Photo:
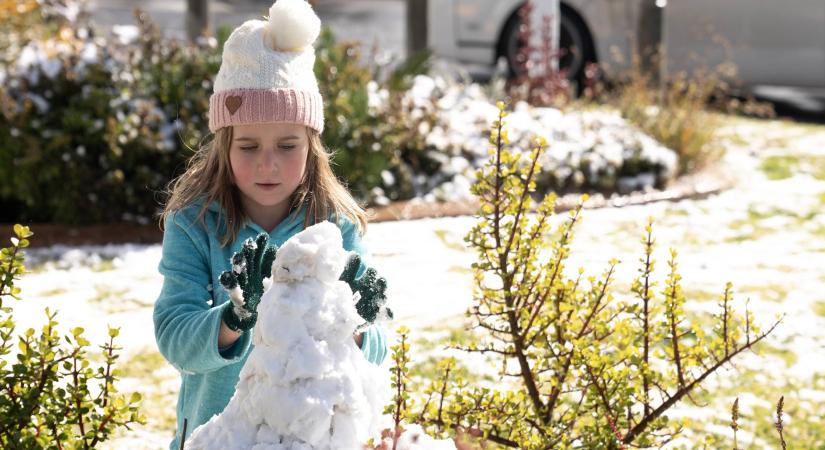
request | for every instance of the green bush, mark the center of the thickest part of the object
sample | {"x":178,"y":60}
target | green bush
{"x":51,"y":395}
{"x":107,"y":124}
{"x":584,"y":369}
{"x":372,"y":137}
{"x":98,"y":123}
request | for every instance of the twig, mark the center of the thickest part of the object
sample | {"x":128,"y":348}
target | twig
{"x":734,"y":416}
{"x":779,"y":426}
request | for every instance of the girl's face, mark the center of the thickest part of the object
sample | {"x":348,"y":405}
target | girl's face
{"x":268,"y":163}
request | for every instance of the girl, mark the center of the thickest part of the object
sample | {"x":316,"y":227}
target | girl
{"x":266,"y":170}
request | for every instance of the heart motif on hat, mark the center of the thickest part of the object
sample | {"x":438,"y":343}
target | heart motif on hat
{"x":233,"y":103}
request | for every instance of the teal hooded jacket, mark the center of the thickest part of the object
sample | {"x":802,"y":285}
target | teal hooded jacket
{"x":187,"y":313}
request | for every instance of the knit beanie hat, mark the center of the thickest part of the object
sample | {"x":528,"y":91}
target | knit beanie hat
{"x":266,"y":72}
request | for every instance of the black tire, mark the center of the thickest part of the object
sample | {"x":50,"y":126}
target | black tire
{"x":575,"y":42}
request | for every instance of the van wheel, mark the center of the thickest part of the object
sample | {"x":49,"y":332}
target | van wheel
{"x":574,"y":39}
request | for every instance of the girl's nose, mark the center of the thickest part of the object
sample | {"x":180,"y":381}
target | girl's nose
{"x":267,"y":162}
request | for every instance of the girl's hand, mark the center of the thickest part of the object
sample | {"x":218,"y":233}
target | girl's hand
{"x":245,"y":282}
{"x":371,"y":288}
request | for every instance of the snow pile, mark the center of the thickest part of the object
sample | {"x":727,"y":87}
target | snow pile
{"x":585,"y":148}
{"x":306,"y":385}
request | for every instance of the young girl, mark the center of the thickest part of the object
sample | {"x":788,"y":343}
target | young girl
{"x":266,"y":170}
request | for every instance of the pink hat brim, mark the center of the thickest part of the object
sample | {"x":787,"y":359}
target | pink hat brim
{"x":251,"y":106}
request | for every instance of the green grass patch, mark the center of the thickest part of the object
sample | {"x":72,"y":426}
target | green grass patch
{"x":772,"y":292}
{"x":437,"y":337}
{"x":117,"y":300}
{"x":752,"y":227}
{"x":780,"y":167}
{"x":460,"y":269}
{"x":819,"y":308}
{"x":450,"y":240}
{"x":104,"y":266}
{"x":143,"y":365}
{"x":757,"y":413}
{"x":751,"y":234}
{"x":158,"y":401}
{"x":460,"y":334}
{"x":779,"y":268}
{"x":784,"y":353}
{"x":701,"y":295}
{"x":738,"y":140}
{"x":54,"y":292}
{"x":104,"y":293}
{"x":819,"y":231}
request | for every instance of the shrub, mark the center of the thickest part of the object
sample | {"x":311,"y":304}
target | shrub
{"x":93,"y":122}
{"x":551,"y":86}
{"x":590,"y":370}
{"x":682,"y":110}
{"x":108,"y":123}
{"x":51,"y":394}
{"x":368,"y":124}
{"x":677,"y":118}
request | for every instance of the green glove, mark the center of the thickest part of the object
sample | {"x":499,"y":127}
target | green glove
{"x":245,"y":282}
{"x":371,"y":288}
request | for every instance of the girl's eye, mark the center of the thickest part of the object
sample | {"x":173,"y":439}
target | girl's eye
{"x":249,"y":148}
{"x":287,"y":147}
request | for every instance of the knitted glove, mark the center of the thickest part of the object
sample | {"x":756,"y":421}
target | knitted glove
{"x":371,"y":288}
{"x":245,"y":282}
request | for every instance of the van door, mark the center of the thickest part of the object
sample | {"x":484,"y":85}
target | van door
{"x":769,"y":42}
{"x":481,"y":21}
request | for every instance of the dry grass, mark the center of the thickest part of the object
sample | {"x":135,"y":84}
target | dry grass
{"x":675,"y":114}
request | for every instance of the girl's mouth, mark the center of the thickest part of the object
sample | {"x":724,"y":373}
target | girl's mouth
{"x":267,"y":186}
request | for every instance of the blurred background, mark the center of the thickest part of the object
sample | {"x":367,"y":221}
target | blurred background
{"x":775,"y":51}
{"x":369,"y":21}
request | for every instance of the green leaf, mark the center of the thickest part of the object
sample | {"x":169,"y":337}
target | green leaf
{"x":22,"y":231}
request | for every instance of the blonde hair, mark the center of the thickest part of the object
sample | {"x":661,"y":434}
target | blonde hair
{"x":208,"y":175}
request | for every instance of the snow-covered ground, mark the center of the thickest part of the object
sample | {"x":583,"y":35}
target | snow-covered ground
{"x":765,"y":236}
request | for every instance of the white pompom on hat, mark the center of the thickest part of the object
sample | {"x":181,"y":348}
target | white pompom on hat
{"x":267,"y":71}
{"x":293,"y":25}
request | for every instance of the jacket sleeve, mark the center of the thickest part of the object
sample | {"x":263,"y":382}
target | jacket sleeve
{"x":186,"y":326}
{"x":373,"y":342}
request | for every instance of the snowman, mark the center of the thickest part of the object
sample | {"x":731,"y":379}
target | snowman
{"x":305,"y":385}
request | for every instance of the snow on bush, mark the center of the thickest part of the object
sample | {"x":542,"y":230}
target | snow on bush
{"x":589,"y":150}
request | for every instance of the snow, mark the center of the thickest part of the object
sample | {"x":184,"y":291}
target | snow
{"x":464,"y":113}
{"x":306,"y":385}
{"x":126,"y":34}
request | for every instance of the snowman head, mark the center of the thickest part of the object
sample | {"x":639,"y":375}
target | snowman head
{"x":315,"y":252}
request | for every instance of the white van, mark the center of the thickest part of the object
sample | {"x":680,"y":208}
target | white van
{"x":777,"y":47}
